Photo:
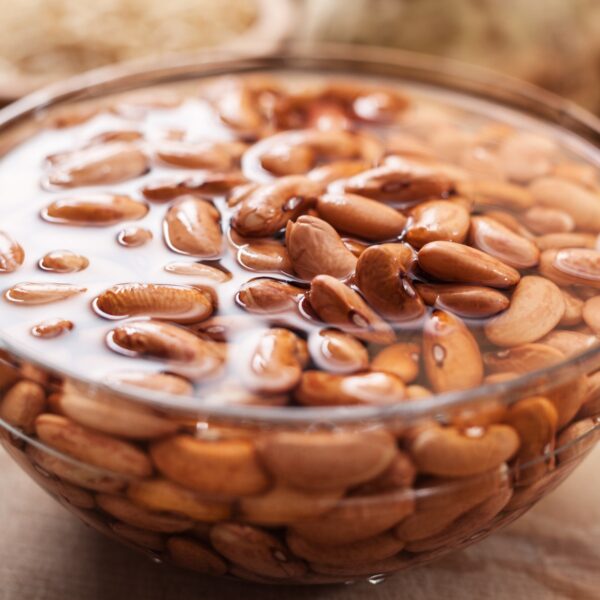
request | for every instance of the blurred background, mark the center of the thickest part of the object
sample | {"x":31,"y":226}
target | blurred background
{"x":554,"y":43}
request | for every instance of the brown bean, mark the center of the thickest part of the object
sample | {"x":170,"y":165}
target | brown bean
{"x":194,"y":556}
{"x":192,"y":226}
{"x":318,"y":388}
{"x":268,"y":296}
{"x":357,"y":518}
{"x":63,"y":261}
{"x":570,"y":343}
{"x":207,"y":183}
{"x":112,"y":415}
{"x":255,"y":550}
{"x":178,"y":303}
{"x":22,"y":404}
{"x":542,"y":220}
{"x":315,"y":248}
{"x":123,"y":509}
{"x":274,"y":363}
{"x":451,"y":354}
{"x":29,"y":293}
{"x":536,"y":308}
{"x":378,"y":547}
{"x":573,"y":314}
{"x":90,"y":447}
{"x":210,"y":273}
{"x":98,"y":210}
{"x":576,"y":266}
{"x":527,"y":156}
{"x":557,"y":241}
{"x":437,"y":220}
{"x":265,"y":255}
{"x":162,"y":382}
{"x":326,"y":461}
{"x":51,"y":328}
{"x":337,"y":352}
{"x":268,"y":208}
{"x":134,"y":237}
{"x":11,"y":254}
{"x":282,"y":505}
{"x":401,"y":359}
{"x":469,"y":301}
{"x":535,"y":420}
{"x":449,"y":261}
{"x":161,"y":495}
{"x":577,"y":439}
{"x":591,"y":314}
{"x":500,"y":242}
{"x":363,"y":217}
{"x":185,"y":353}
{"x":147,"y":540}
{"x":339,"y":169}
{"x":339,"y":305}
{"x":448,"y":452}
{"x":225,"y":467}
{"x":381,"y":275}
{"x":219,"y":156}
{"x":99,"y":165}
{"x":585,"y":175}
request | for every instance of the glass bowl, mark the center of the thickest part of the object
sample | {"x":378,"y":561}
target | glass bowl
{"x":288,"y":495}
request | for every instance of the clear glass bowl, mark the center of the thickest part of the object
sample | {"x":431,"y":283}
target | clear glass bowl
{"x":288,"y":495}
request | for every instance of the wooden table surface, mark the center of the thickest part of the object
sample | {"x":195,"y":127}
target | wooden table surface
{"x":553,"y":552}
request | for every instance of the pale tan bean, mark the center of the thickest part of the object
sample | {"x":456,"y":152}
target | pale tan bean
{"x":194,"y":556}
{"x":337,"y":352}
{"x":573,"y":314}
{"x":315,"y":248}
{"x":381,"y":275}
{"x":541,"y":220}
{"x":414,"y":392}
{"x":536,"y":308}
{"x":265,"y":255}
{"x":357,"y":518}
{"x":522,"y":359}
{"x":591,"y":314}
{"x":580,"y":173}
{"x":535,"y":420}
{"x":29,"y":293}
{"x":273,"y":363}
{"x":590,"y":407}
{"x":99,"y":165}
{"x":577,"y":266}
{"x":451,"y":354}
{"x":98,"y":210}
{"x":318,"y":388}
{"x":138,"y":537}
{"x":379,"y":547}
{"x":112,"y":415}
{"x":448,"y":452}
{"x":255,"y":550}
{"x":193,"y":226}
{"x":93,"y":448}
{"x":22,"y":404}
{"x":470,"y":301}
{"x":570,"y":343}
{"x":360,"y":216}
{"x":401,"y":359}
{"x":123,"y":509}
{"x":509,"y":221}
{"x":327,"y":461}
{"x":582,"y":204}
{"x":83,"y":476}
{"x":268,"y":296}
{"x":526,"y":156}
{"x":437,"y":220}
{"x":282,"y":505}
{"x":11,"y":254}
{"x":557,"y":241}
{"x":486,"y":193}
{"x":449,"y":261}
{"x":225,"y":467}
{"x":400,"y":474}
{"x":162,"y":495}
{"x":340,"y":169}
{"x":207,"y":183}
{"x":63,"y":261}
{"x":178,"y":303}
{"x":500,"y":242}
{"x":339,"y":305}
{"x":268,"y":208}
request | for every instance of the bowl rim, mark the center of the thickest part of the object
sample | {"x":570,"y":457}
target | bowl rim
{"x":450,"y":75}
